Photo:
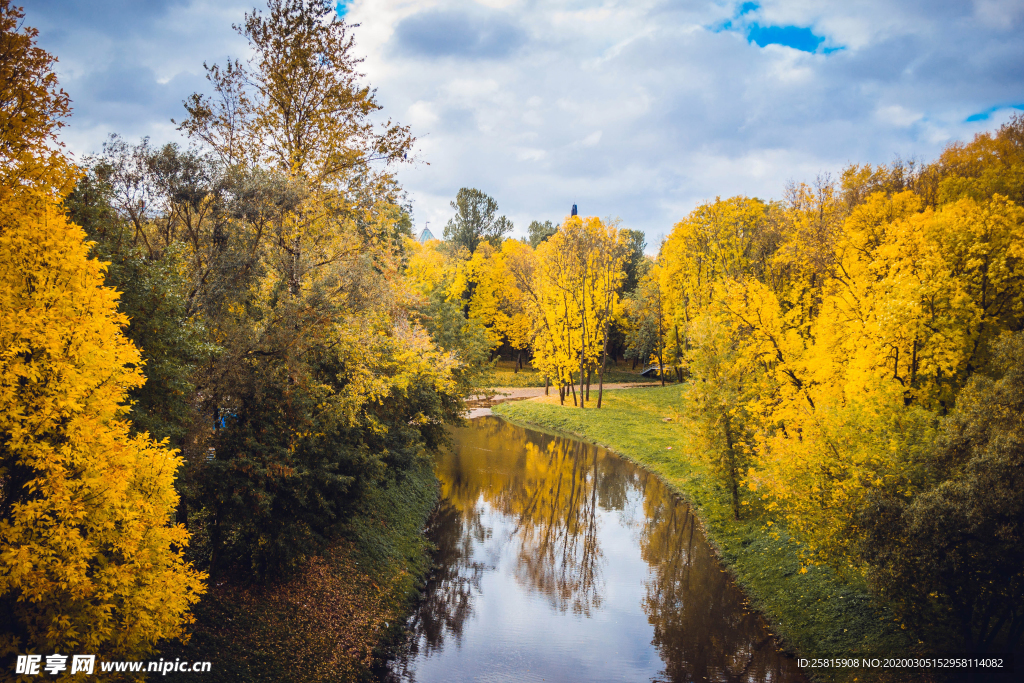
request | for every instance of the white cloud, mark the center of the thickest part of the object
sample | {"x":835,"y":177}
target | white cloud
{"x":639,"y":109}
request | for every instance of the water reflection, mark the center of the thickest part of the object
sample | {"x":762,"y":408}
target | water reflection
{"x":559,"y":561}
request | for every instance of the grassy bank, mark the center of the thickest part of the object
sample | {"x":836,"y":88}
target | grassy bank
{"x":337,"y":615}
{"x":818,"y":613}
{"x":504,"y":375}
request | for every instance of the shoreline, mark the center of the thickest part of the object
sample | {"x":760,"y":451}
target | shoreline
{"x":815,"y":615}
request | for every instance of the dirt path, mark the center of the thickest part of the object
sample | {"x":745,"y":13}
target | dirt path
{"x":480,"y":404}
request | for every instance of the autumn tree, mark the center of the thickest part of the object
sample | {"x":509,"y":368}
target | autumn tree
{"x":32,"y":110}
{"x":578,"y":274}
{"x":329,"y":378}
{"x":89,"y":557}
{"x":954,"y":554}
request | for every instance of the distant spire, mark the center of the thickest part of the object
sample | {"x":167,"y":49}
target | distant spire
{"x":574,"y":210}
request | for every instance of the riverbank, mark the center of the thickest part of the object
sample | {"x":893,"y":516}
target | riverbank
{"x":335,"y":617}
{"x":818,"y":614}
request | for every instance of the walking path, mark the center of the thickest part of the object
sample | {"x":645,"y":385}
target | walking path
{"x":480,"y":404}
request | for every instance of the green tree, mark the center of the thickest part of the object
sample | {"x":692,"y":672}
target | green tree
{"x":636,"y":263}
{"x":717,"y":403}
{"x":538,"y":232}
{"x":326,"y":380}
{"x":154,"y":297}
{"x":475,"y":220}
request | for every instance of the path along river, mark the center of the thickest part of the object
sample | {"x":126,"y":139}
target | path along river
{"x":559,"y":561}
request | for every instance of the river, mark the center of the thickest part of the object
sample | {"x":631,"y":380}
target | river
{"x":559,"y":561}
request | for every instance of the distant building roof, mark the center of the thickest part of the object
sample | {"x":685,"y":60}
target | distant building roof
{"x":426,"y":235}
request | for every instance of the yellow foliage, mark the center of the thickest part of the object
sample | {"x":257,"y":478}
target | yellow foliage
{"x":90,"y":559}
{"x":853,"y":320}
{"x":577,"y":274}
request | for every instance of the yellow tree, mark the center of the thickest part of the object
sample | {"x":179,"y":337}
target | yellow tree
{"x":721,"y":240}
{"x":579,"y":270}
{"x":862,"y":351}
{"x":89,"y":557}
{"x":497,"y":299}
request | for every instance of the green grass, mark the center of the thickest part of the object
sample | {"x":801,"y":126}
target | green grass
{"x":504,"y":375}
{"x":334,"y":618}
{"x":818,"y":613}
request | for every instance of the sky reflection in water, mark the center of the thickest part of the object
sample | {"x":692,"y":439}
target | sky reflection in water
{"x":559,"y":561}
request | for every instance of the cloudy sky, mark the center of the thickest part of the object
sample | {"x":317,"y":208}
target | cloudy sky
{"x":637,"y":109}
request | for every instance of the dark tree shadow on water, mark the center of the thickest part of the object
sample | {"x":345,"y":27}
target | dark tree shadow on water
{"x":702,"y":627}
{"x":447,"y":599}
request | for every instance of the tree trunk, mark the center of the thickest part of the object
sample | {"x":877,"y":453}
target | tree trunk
{"x":604,"y":362}
{"x":561,"y":393}
{"x":583,"y":347}
{"x":679,"y":355}
{"x":573,"y":385}
{"x":590,"y":372}
{"x":734,"y":484}
{"x":547,"y":385}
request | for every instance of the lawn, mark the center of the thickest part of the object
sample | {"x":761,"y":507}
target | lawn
{"x":818,"y":613}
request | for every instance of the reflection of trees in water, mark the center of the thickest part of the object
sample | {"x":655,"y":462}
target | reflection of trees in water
{"x":556,"y":524}
{"x":551,"y":490}
{"x":447,"y":599}
{"x":701,"y":628}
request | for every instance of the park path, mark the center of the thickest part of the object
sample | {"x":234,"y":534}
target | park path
{"x":480,"y":404}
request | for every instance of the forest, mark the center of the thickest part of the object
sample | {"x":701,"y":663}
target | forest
{"x":852,"y":360}
{"x":215,"y":359}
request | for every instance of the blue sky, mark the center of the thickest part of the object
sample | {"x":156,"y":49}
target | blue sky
{"x":637,"y":109}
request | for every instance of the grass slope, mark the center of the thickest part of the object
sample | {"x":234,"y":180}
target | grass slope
{"x":333,"y":619}
{"x":818,"y":614}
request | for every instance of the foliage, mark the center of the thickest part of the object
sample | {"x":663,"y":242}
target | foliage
{"x":718,"y":404}
{"x":645,"y":321}
{"x":537,"y":232}
{"x":475,"y":221}
{"x":440,"y":279}
{"x":297,"y":104}
{"x":578,"y":273}
{"x":89,"y":557}
{"x":857,"y":315}
{"x":32,"y":106}
{"x":290,"y":234}
{"x":154,"y":298}
{"x":635,"y":264}
{"x":954,"y":554}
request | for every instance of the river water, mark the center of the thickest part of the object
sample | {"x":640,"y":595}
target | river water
{"x":560,"y":561}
